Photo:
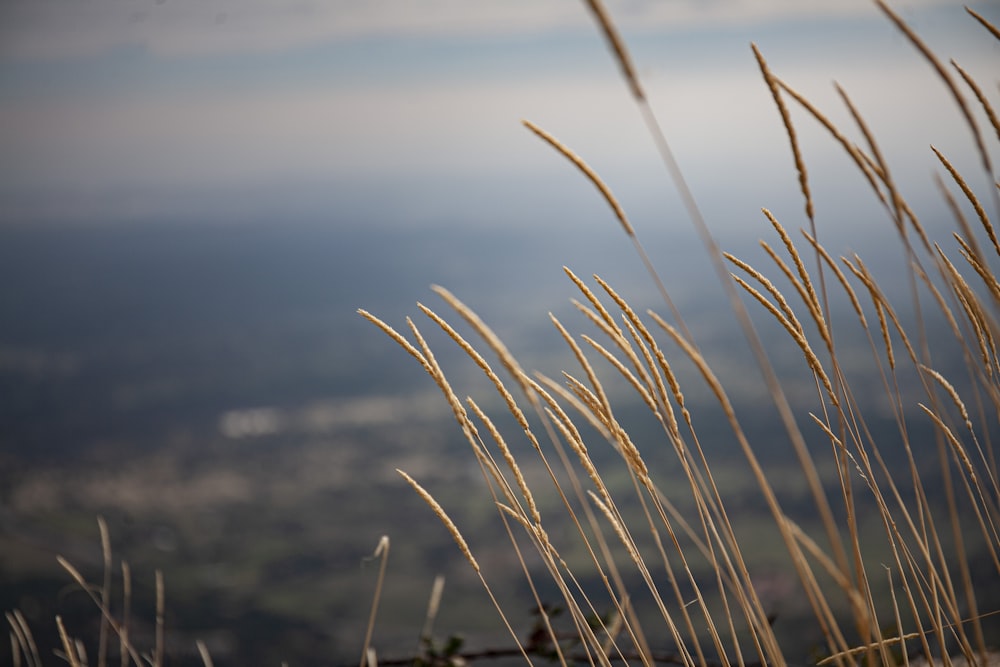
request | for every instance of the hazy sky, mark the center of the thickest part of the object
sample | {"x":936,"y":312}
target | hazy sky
{"x":409,"y":112}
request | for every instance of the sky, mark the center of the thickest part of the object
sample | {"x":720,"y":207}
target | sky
{"x":408,"y":113}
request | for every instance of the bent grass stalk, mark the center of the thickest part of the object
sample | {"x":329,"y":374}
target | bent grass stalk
{"x":921,"y":602}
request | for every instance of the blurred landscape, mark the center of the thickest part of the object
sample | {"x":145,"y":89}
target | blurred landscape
{"x":212,"y":394}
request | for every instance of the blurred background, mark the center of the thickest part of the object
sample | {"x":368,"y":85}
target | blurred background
{"x":195,"y":198}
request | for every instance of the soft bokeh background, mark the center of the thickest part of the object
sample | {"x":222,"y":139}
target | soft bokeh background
{"x":196,"y":196}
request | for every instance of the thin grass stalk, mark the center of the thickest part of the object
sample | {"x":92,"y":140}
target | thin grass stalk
{"x":464,"y":548}
{"x":649,"y":346}
{"x":535,"y":530}
{"x":102,"y":642}
{"x":980,"y":96}
{"x":942,"y":72}
{"x":206,"y":657}
{"x":755,"y":609}
{"x":382,"y":554}
{"x":672,"y":577}
{"x":705,"y":504}
{"x":960,"y":101}
{"x":870,"y":170}
{"x":123,"y":629}
{"x":470,"y":431}
{"x":771,"y":381}
{"x":810,"y":297}
{"x":974,"y":313}
{"x":88,"y":589}
{"x":69,"y":650}
{"x":786,"y":120}
{"x":22,"y":632}
{"x":489,"y":467}
{"x":971,"y":197}
{"x":699,"y":486}
{"x":511,"y":406}
{"x":993,"y":30}
{"x":969,"y":481}
{"x":612,"y":576}
{"x":160,"y":643}
{"x":960,"y":220}
{"x":709,"y":529}
{"x":612,"y":201}
{"x":626,"y":540}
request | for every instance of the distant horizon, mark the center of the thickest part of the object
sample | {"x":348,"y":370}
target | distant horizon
{"x":419,"y":120}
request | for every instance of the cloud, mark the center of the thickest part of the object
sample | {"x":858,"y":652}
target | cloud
{"x":57,"y":29}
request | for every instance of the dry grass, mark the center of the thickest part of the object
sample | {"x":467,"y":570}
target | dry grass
{"x":905,"y":592}
{"x":919,"y":597}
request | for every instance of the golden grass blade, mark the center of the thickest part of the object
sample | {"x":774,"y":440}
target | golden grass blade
{"x":986,"y":24}
{"x":841,"y":278}
{"x":89,"y":590}
{"x":396,"y":336}
{"x":786,"y":314}
{"x":786,"y":120}
{"x":594,"y":384}
{"x":883,"y":166}
{"x":432,"y":367}
{"x":869,"y":169}
{"x":595,"y":302}
{"x":25,"y":640}
{"x":983,"y":101}
{"x":612,"y":201}
{"x":102,"y":645}
{"x":971,"y":196}
{"x":578,"y":404}
{"x":507,"y":360}
{"x":658,"y":370}
{"x":644,"y":379}
{"x":755,"y":610}
{"x":793,"y":327}
{"x":810,"y":298}
{"x":443,"y":517}
{"x":771,"y":381}
{"x":639,"y":388}
{"x":956,"y":213}
{"x":990,"y":280}
{"x":508,"y":399}
{"x":908,"y":517}
{"x":464,"y":548}
{"x":626,"y":541}
{"x":637,"y":325}
{"x":616,"y":588}
{"x":881,"y":309}
{"x":123,"y":630}
{"x":962,"y":457}
{"x":206,"y":657}
{"x":160,"y":646}
{"x":512,"y":464}
{"x":381,"y":553}
{"x":591,"y":175}
{"x":69,"y":649}
{"x":617,"y":47}
{"x":433,"y":606}
{"x":960,"y":287}
{"x":942,"y":72}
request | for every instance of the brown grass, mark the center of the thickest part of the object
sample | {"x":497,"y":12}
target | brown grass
{"x":920,"y":598}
